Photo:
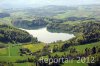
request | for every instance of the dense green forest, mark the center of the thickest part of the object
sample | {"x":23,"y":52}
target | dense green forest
{"x":86,"y":32}
{"x":39,"y":22}
{"x":14,"y":35}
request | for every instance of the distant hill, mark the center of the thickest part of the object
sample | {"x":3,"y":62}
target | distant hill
{"x":50,"y":10}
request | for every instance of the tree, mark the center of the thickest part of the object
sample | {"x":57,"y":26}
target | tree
{"x":93,"y":50}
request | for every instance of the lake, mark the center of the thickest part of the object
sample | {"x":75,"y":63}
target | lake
{"x":45,"y":36}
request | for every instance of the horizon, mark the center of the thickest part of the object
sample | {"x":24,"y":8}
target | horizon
{"x":39,"y":3}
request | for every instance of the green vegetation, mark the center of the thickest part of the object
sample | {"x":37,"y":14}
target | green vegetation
{"x":34,"y":47}
{"x":79,"y":49}
{"x":74,"y":64}
{"x":2,"y":15}
{"x":86,"y":32}
{"x":19,"y":48}
{"x":26,"y":24}
{"x":14,"y":35}
{"x":80,"y":11}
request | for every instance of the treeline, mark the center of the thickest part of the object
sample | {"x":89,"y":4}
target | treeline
{"x":78,"y":27}
{"x":78,"y":18}
{"x":71,"y":19}
{"x":86,"y":32}
{"x":2,"y":15}
{"x":14,"y":35}
{"x":38,"y":22}
{"x":59,"y":27}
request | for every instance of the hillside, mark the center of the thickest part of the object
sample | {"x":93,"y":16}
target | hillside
{"x":19,"y":48}
{"x":14,"y":35}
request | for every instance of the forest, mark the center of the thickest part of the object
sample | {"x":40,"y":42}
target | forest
{"x":14,"y":35}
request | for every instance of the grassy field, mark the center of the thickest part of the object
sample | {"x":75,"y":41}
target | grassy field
{"x":21,"y":64}
{"x":78,"y":13}
{"x":14,"y":50}
{"x":72,"y":13}
{"x":34,"y":47}
{"x":74,"y":63}
{"x":24,"y":64}
{"x":14,"y":53}
{"x":79,"y":48}
{"x":4,"y":52}
{"x":6,"y":20}
{"x":13,"y":58}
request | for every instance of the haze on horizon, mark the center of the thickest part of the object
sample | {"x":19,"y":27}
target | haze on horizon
{"x":38,"y":3}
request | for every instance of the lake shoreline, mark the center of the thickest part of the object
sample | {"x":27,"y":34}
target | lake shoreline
{"x":43,"y":35}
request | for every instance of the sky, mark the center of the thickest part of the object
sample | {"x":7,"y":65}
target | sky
{"x":36,"y":3}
